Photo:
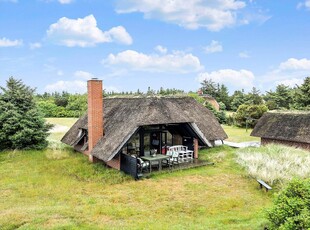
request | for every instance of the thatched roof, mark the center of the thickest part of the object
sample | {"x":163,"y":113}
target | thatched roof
{"x":284,"y":126}
{"x":123,"y":116}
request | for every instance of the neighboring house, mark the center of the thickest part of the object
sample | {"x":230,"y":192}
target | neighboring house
{"x":291,"y":129}
{"x":116,"y":126}
{"x":209,"y":99}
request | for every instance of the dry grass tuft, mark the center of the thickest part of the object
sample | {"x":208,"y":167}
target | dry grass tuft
{"x":275,"y":163}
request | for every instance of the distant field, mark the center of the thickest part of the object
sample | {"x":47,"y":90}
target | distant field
{"x":60,"y":189}
{"x":61,"y":125}
{"x":236,"y":134}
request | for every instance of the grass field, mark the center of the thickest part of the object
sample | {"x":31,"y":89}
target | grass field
{"x":61,"y":125}
{"x":236,"y":134}
{"x":60,"y":189}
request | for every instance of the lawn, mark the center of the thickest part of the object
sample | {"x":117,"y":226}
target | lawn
{"x":236,"y":134}
{"x":60,"y":189}
{"x":61,"y":125}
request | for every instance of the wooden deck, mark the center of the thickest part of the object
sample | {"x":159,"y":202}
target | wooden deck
{"x":181,"y":166}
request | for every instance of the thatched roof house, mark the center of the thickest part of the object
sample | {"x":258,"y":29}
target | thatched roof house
{"x":209,"y":99}
{"x":285,"y":128}
{"x":140,"y":124}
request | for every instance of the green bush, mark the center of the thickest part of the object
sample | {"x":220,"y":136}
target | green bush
{"x":247,"y":115}
{"x":291,"y":208}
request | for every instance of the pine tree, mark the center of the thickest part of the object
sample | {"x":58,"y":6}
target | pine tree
{"x":302,"y":95}
{"x":281,"y":98}
{"x":253,"y":97}
{"x":209,"y":87}
{"x":21,"y":124}
{"x":237,"y":99}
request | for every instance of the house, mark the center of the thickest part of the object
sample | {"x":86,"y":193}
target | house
{"x":116,"y":127}
{"x":209,"y":99}
{"x":291,"y":129}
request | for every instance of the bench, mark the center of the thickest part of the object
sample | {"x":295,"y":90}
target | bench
{"x":262,"y":183}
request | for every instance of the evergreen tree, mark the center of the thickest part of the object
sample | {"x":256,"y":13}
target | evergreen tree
{"x":21,"y":124}
{"x":254,"y":97}
{"x":281,"y":98}
{"x":302,"y":95}
{"x":209,"y":87}
{"x":61,"y":99}
{"x":237,"y":99}
{"x":224,"y":97}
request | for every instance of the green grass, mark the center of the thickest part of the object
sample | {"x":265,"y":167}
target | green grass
{"x":236,"y":134}
{"x":66,"y":192}
{"x":60,"y":189}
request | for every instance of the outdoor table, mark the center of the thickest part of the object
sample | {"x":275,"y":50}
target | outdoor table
{"x":158,"y":158}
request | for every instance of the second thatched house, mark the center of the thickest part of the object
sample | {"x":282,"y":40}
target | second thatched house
{"x":121,"y":126}
{"x":291,"y":129}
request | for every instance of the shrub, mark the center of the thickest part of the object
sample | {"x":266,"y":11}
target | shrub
{"x":291,"y":208}
{"x":247,"y":115}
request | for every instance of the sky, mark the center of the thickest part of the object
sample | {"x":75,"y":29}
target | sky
{"x":57,"y":45}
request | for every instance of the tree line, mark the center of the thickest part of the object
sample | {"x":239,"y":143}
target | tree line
{"x":249,"y":107}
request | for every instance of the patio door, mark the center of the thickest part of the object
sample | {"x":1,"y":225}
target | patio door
{"x":159,"y":141}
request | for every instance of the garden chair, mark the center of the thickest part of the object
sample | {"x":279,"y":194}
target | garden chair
{"x":142,"y":165}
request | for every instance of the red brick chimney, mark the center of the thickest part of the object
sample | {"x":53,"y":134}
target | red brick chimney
{"x":95,"y":113}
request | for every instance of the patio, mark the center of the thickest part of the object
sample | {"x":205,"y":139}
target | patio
{"x":176,"y":158}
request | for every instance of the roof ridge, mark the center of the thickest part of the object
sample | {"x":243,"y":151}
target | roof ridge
{"x":148,"y":96}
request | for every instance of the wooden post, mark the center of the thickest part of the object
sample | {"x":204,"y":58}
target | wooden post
{"x":195,"y":148}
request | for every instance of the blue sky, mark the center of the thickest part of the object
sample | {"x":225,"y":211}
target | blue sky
{"x":56,"y":45}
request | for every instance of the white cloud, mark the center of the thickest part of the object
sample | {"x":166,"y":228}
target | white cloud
{"x":4,"y":42}
{"x":35,"y":45}
{"x":290,"y":82}
{"x":295,"y":64}
{"x":290,"y":72}
{"x":111,"y":89}
{"x":305,"y":4}
{"x":83,"y":75}
{"x":238,"y":78}
{"x":176,"y":62}
{"x":161,"y":49}
{"x":65,"y":1}
{"x":84,"y":32}
{"x":213,"y":15}
{"x":244,"y":54}
{"x":76,"y":86}
{"x":214,"y":47}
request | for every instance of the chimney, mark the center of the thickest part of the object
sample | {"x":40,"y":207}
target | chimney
{"x":95,"y":113}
